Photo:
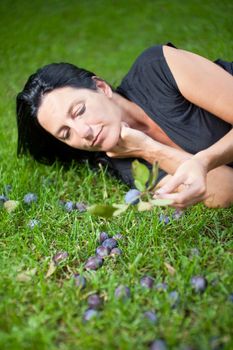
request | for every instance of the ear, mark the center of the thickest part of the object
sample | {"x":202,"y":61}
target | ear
{"x":102,"y":86}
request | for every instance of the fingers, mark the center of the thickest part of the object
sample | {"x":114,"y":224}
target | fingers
{"x":170,"y":186}
{"x":125,"y":124}
{"x":182,"y":194}
{"x":187,"y":197}
{"x":112,"y":155}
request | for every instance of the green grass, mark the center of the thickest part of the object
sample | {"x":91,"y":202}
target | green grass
{"x":46,"y":313}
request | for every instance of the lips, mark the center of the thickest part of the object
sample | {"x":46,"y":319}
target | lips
{"x":96,"y":139}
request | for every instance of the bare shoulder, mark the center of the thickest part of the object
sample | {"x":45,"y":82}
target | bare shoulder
{"x":201,"y":81}
{"x":185,"y":63}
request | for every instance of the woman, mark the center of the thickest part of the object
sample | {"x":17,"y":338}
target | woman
{"x":173,"y":106}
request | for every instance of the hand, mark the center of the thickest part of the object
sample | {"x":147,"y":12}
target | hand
{"x":130,"y":143}
{"x":190,"y":181}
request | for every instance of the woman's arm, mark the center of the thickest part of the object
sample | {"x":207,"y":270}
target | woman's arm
{"x":187,"y":170}
{"x":207,"y":85}
{"x":135,"y":143}
{"x":218,"y":154}
{"x":193,"y":173}
{"x":202,"y":82}
{"x":210,"y":87}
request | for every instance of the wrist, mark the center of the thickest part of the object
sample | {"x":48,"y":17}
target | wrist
{"x":161,"y":153}
{"x":205,"y":160}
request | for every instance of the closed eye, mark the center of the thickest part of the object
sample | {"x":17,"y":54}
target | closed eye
{"x":66,"y":134}
{"x":81,"y":111}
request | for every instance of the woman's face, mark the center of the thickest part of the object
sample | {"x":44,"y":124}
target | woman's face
{"x":82,"y":118}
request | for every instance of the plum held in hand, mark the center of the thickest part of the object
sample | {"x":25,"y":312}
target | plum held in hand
{"x":132,"y":197}
{"x":199,"y":283}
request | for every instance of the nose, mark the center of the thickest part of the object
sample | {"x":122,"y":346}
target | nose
{"x":83,"y":130}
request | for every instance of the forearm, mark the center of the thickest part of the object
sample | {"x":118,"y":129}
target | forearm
{"x":168,"y":158}
{"x":134,"y":143}
{"x":218,"y":154}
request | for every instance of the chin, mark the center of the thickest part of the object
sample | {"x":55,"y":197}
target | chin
{"x":109,"y":144}
{"x":110,"y":141}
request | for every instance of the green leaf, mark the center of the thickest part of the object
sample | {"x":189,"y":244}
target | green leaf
{"x":102,"y":210}
{"x":161,"y":202}
{"x":141,"y":174}
{"x":120,"y":209}
{"x":153,"y":176}
{"x":143,"y":206}
{"x":139,"y":186}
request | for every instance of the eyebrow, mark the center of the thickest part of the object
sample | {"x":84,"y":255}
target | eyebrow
{"x":67,"y":114}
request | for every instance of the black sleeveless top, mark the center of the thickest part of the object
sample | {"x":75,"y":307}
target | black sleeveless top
{"x":151,"y":85}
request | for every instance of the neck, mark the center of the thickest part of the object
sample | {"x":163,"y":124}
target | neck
{"x":131,"y":113}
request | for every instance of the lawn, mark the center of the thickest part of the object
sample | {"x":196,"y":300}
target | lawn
{"x":39,"y":311}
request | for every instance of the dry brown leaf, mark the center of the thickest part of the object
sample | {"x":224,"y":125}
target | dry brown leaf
{"x":26,"y":276}
{"x":51,"y":270}
{"x":170,"y":269}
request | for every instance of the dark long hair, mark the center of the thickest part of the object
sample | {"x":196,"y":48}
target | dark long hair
{"x":41,"y":145}
{"x":32,"y":138}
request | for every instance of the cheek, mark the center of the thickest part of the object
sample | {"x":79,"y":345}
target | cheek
{"x":111,"y":138}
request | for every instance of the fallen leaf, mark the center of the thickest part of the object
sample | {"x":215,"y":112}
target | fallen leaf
{"x":102,"y":210}
{"x":170,"y":269}
{"x":26,"y":276}
{"x":143,"y":206}
{"x":51,"y":270}
{"x":10,"y":205}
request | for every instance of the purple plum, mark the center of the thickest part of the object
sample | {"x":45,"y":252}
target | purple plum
{"x":110,"y":243}
{"x":132,"y":196}
{"x":94,"y":263}
{"x":147,"y":282}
